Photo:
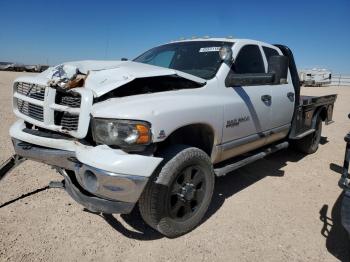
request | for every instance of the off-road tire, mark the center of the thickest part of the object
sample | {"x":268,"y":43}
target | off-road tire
{"x":154,"y":204}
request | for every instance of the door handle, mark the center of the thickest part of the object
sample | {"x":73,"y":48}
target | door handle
{"x":266,"y":98}
{"x":290,"y":95}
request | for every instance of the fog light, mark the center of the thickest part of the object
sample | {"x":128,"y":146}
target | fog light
{"x":90,"y":181}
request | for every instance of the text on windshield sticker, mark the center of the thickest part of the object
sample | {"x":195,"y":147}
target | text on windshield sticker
{"x":209,"y":49}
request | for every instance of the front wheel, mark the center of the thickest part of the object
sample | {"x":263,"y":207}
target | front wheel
{"x":177,"y":199}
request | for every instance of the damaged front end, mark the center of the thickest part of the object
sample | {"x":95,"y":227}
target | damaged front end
{"x":105,"y":76}
{"x":67,"y":77}
{"x":100,"y":178}
{"x":61,"y":98}
{"x":56,"y":127}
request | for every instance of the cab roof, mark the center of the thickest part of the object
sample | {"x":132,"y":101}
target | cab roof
{"x":222,"y":39}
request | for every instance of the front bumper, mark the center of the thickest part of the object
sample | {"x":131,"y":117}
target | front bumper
{"x":105,"y":179}
{"x":93,"y":203}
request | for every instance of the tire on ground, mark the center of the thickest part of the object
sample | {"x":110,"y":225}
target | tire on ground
{"x":156,"y":200}
{"x":309,"y":144}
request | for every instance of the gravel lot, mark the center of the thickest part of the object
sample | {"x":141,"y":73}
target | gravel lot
{"x":273,"y":210}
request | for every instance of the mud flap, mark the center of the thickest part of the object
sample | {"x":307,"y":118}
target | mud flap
{"x":10,"y":164}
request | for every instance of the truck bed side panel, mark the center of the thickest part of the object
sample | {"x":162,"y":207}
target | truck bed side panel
{"x":309,"y":109}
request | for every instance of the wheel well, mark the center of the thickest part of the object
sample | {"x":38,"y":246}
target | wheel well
{"x":197,"y":135}
{"x":323,"y":113}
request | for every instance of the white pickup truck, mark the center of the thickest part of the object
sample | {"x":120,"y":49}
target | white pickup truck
{"x":157,"y":129}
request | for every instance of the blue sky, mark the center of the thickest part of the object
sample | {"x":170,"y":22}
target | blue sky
{"x":38,"y":31}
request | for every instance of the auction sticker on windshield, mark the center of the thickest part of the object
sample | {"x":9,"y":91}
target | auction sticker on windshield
{"x":209,"y":49}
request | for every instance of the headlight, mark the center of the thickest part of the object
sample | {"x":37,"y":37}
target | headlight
{"x":121,"y":132}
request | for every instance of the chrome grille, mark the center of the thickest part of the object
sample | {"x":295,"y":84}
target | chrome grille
{"x":69,"y":122}
{"x":52,"y":108}
{"x":31,"y":110}
{"x":71,"y":101}
{"x":68,"y":99}
{"x":31,"y":90}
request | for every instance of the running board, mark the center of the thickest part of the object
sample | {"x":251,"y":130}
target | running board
{"x":231,"y":167}
{"x":10,"y":164}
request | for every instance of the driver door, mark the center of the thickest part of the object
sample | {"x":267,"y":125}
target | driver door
{"x":248,"y":116}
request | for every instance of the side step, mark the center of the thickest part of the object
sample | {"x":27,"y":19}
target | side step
{"x":10,"y":164}
{"x":231,"y":167}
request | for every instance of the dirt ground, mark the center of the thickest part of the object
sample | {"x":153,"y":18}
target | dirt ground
{"x":283,"y":208}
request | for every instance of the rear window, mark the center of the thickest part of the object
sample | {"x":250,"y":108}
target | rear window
{"x":269,"y":52}
{"x":249,"y":60}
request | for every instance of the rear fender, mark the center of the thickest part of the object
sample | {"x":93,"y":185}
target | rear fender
{"x":320,"y":112}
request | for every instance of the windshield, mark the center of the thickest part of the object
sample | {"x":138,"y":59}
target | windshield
{"x":199,"y":58}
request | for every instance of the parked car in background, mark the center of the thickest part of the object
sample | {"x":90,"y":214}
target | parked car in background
{"x":10,"y":66}
{"x":6,"y":66}
{"x":32,"y":68}
{"x":43,"y":68}
{"x":18,"y":67}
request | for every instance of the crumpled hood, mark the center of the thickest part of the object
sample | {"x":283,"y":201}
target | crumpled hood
{"x":105,"y":76}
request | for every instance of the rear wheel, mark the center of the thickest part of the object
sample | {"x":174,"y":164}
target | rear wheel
{"x":178,"y":201}
{"x":309,"y":144}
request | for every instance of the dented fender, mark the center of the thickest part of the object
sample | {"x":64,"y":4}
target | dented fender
{"x":117,"y":161}
{"x":109,"y":159}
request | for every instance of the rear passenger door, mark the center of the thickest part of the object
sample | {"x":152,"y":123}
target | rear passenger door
{"x":282,"y":96}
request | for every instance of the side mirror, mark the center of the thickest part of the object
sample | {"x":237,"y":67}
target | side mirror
{"x":225,"y":53}
{"x":277,"y":74}
{"x":256,"y":79}
{"x":124,"y":59}
{"x":278,"y":66}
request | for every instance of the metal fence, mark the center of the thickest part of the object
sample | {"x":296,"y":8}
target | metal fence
{"x":340,"y":80}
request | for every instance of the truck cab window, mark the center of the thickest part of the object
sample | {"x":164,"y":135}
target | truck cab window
{"x":249,"y":60}
{"x":269,"y":52}
{"x":198,"y":58}
{"x":162,"y":59}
